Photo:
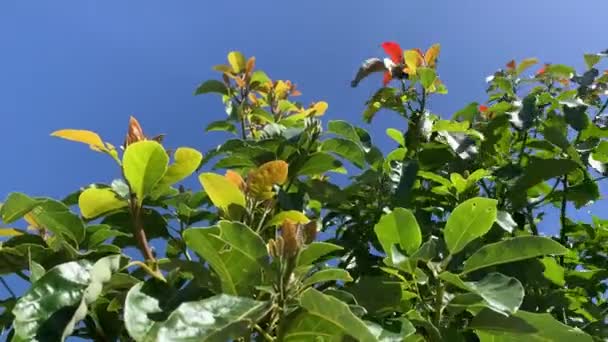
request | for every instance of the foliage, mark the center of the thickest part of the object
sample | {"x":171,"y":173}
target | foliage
{"x":436,"y":240}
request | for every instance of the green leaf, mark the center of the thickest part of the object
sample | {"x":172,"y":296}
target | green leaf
{"x":58,"y":299}
{"x":325,"y":275}
{"x":500,"y":293}
{"x":514,"y":249}
{"x":560,"y":71}
{"x":57,"y":217}
{"x":237,"y":61}
{"x":427,"y":76}
{"x":292,"y":215}
{"x":17,"y":205}
{"x":221,"y":191}
{"x":144,"y":165}
{"x":345,"y":148}
{"x":468,"y":113}
{"x":576,"y":117}
{"x":399,"y":227}
{"x":553,"y":271}
{"x":539,"y":170}
{"x":469,"y":220}
{"x":259,"y":77}
{"x":94,"y":202}
{"x":592,"y":59}
{"x":329,"y":309}
{"x":221,"y":125}
{"x":212,"y":86}
{"x":343,"y":129}
{"x":36,"y":271}
{"x":451,"y":126}
{"x":235,"y":252}
{"x":217,"y":318}
{"x":318,"y":163}
{"x":315,"y":251}
{"x":524,"y":326}
{"x":505,"y":221}
{"x":396,"y":135}
{"x":186,"y":162}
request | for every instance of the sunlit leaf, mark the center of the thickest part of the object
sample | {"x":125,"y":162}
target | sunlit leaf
{"x":144,"y":165}
{"x":83,"y":136}
{"x":261,"y":180}
{"x":399,"y":227}
{"x":95,"y":201}
{"x":222,"y":192}
{"x":237,"y":61}
{"x":291,"y":215}
{"x":469,"y":220}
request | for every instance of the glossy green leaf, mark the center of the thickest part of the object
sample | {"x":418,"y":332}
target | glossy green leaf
{"x":144,"y":165}
{"x":234,"y":251}
{"x":314,"y":251}
{"x":399,"y":227}
{"x":217,"y":318}
{"x":57,"y":217}
{"x":59,"y":298}
{"x":222,"y":125}
{"x":318,"y":163}
{"x":330,"y":309}
{"x":344,"y":129}
{"x":469,"y":220}
{"x":212,"y":86}
{"x":17,"y":205}
{"x":500,"y":293}
{"x":325,"y":275}
{"x":505,"y":221}
{"x":222,"y":192}
{"x":396,"y":135}
{"x":94,"y":202}
{"x":510,"y":250}
{"x":526,"y":326}
{"x":346,"y":149}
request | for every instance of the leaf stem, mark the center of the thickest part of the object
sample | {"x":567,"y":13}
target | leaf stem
{"x":438,"y":304}
{"x":562,"y":232}
{"x":262,"y":333}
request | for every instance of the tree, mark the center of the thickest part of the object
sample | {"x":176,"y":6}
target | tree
{"x":437,"y":240}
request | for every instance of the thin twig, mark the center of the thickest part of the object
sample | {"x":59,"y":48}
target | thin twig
{"x":562,"y":232}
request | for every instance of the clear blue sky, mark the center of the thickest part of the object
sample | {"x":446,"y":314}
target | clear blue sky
{"x":90,"y":64}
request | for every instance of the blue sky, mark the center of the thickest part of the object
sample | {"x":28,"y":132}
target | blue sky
{"x":90,"y":64}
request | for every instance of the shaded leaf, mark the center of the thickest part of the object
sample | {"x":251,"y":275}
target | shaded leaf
{"x":399,"y":227}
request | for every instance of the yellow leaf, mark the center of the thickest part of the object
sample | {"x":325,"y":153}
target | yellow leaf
{"x":237,"y":61}
{"x":412,"y":61}
{"x":223,"y":68}
{"x":10,"y":232}
{"x":80,"y":135}
{"x":525,"y":64}
{"x":261,"y":180}
{"x":94,"y":202}
{"x":222,"y":192}
{"x":292,"y":215}
{"x":320,"y":108}
{"x":281,"y":89}
{"x":430,"y":57}
{"x":187,"y":160}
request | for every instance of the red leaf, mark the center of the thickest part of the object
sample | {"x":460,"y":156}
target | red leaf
{"x":511,"y":65}
{"x":394,"y":51}
{"x":483,"y":108}
{"x":387,"y":78}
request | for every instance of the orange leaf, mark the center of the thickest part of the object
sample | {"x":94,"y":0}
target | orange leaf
{"x":483,"y":108}
{"x":511,"y":65}
{"x":235,"y":179}
{"x":135,"y":132}
{"x":430,"y":57}
{"x":250,"y":65}
{"x":261,"y":180}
